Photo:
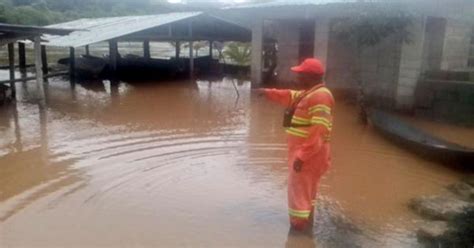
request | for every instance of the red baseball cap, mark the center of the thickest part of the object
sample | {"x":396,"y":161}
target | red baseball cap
{"x":311,"y":65}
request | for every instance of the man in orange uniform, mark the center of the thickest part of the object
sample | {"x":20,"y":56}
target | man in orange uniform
{"x":308,"y":123}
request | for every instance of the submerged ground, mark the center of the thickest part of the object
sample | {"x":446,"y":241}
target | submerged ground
{"x":192,"y":164}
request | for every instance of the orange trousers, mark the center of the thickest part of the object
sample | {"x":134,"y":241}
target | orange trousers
{"x":303,"y":185}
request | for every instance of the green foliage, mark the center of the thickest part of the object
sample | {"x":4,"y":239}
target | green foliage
{"x":197,"y":45}
{"x":238,"y":52}
{"x":29,"y":15}
{"x":44,"y":12}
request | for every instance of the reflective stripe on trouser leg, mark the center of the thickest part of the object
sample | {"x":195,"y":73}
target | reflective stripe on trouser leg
{"x":300,"y":189}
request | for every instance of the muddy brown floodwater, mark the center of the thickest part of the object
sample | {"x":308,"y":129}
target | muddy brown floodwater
{"x":191,"y":164}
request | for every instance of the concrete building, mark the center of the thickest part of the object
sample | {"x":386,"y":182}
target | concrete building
{"x":390,"y":69}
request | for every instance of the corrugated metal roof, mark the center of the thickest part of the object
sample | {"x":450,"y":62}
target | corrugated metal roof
{"x":282,"y":3}
{"x":12,"y":32}
{"x":102,"y":29}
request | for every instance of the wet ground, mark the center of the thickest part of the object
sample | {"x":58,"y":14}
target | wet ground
{"x":193,"y":164}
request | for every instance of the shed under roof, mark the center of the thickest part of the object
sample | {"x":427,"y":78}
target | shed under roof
{"x":162,"y":27}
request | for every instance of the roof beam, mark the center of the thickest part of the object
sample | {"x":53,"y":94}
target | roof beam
{"x":165,"y":38}
{"x":32,"y":30}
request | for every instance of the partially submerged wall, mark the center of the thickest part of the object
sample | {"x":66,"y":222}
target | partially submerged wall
{"x":341,"y":59}
{"x":378,"y":67}
{"x":411,"y":65}
{"x":389,"y":70}
{"x":380,"y":70}
{"x":451,"y":101}
{"x":434,"y":43}
{"x":456,"y":45}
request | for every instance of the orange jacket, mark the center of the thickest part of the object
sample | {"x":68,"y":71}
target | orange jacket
{"x":315,"y":110}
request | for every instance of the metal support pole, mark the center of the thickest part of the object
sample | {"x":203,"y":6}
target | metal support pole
{"x":87,"y":50}
{"x":44,"y":59}
{"x":22,"y":55}
{"x":191,"y":59}
{"x":11,"y":62}
{"x":210,"y":48}
{"x":146,"y":49}
{"x":72,"y":62}
{"x":113,"y":55}
{"x":39,"y":69}
{"x":178,"y":49}
{"x":191,"y":54}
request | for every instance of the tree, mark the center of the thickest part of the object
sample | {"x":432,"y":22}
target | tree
{"x":43,"y":12}
{"x":29,"y":15}
{"x":369,"y":28}
{"x":238,"y":52}
{"x":197,"y":45}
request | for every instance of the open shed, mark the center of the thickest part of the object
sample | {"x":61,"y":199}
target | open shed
{"x":9,"y":34}
{"x":170,"y":27}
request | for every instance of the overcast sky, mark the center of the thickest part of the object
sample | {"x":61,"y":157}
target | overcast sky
{"x":221,"y":1}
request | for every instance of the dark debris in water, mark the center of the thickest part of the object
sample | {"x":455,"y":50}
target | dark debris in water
{"x":457,"y":229}
{"x":459,"y":232}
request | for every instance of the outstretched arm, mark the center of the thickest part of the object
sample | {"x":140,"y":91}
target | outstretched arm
{"x":283,"y":97}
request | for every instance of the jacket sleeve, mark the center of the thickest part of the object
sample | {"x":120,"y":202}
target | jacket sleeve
{"x":320,"y":110}
{"x":282,"y":97}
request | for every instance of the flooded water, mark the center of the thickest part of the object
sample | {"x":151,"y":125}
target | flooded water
{"x":190,"y":164}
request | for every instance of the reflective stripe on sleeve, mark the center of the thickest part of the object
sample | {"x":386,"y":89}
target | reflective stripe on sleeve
{"x":319,"y":108}
{"x":300,"y":120}
{"x":297,"y":132}
{"x":322,"y":121}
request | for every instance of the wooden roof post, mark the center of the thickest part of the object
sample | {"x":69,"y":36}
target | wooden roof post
{"x":11,"y":62}
{"x":191,"y":53}
{"x":39,"y":69}
{"x":210,"y":48}
{"x":178,"y":48}
{"x":146,"y":49}
{"x":22,"y":55}
{"x":113,"y":56}
{"x":72,"y":63}
{"x":44,"y":59}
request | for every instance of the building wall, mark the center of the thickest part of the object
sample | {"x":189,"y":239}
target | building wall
{"x":378,"y":67}
{"x":411,"y":64}
{"x":340,"y":68}
{"x":456,"y":45}
{"x":390,"y":70}
{"x":434,"y":43}
{"x":436,"y":99}
{"x":380,"y":70}
{"x":287,"y":35}
{"x":257,"y":52}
